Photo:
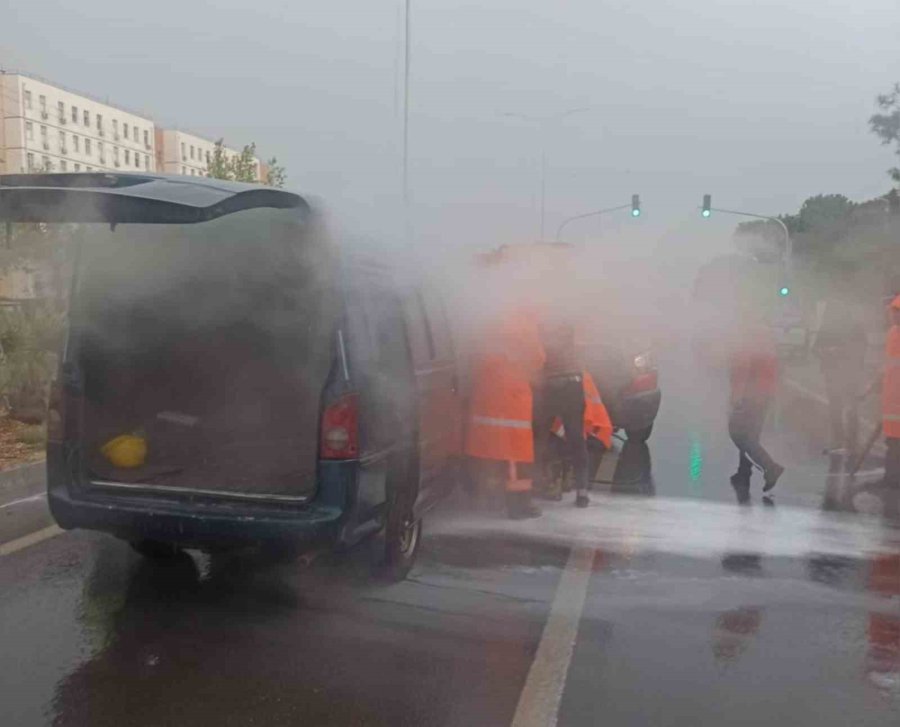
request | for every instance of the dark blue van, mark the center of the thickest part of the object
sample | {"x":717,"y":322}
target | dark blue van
{"x":285,"y":389}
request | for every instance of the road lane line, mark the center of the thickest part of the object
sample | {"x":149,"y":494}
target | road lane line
{"x":32,"y":498}
{"x":540,"y":698}
{"x":26,"y":541}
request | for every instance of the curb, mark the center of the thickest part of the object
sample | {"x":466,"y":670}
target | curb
{"x":22,"y":480}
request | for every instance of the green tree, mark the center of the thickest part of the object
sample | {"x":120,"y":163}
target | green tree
{"x":244,"y":166}
{"x":276,"y":175}
{"x":219,"y":168}
{"x":886,"y":125}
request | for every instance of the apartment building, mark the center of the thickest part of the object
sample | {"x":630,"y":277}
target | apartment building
{"x":45,"y":127}
{"x":180,"y":152}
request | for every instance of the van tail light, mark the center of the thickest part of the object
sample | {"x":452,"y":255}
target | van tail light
{"x":56,"y":412}
{"x":643,"y":382}
{"x":340,"y":429}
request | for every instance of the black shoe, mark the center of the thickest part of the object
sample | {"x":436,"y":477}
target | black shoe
{"x":520,"y":507}
{"x":771,"y":476}
{"x":582,"y":500}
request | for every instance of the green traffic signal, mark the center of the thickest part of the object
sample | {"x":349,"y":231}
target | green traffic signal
{"x":785,"y":291}
{"x":707,"y":205}
{"x":635,"y":205}
{"x":705,"y":213}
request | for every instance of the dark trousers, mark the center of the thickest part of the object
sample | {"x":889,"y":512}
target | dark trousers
{"x":842,"y":385}
{"x":561,"y":397}
{"x":745,"y":425}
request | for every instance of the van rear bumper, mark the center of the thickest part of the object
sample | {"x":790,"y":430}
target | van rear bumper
{"x":202,"y":524}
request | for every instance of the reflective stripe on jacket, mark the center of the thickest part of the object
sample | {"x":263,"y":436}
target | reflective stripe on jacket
{"x":890,"y":395}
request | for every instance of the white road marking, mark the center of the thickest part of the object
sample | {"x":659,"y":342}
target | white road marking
{"x":32,"y":498}
{"x":26,"y":541}
{"x":540,"y":698}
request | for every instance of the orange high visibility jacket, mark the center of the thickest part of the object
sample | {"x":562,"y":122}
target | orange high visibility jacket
{"x":890,"y":394}
{"x":596,"y":418}
{"x":754,"y":366}
{"x":500,"y":407}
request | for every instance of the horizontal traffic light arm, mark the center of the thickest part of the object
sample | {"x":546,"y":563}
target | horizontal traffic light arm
{"x":595,"y":213}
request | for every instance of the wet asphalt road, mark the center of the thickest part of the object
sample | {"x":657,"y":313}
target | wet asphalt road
{"x":684,"y":609}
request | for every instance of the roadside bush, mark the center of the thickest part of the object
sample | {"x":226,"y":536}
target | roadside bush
{"x":29,"y":340}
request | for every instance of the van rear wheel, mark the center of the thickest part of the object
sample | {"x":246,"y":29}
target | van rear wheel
{"x":155,"y":549}
{"x":402,"y":531}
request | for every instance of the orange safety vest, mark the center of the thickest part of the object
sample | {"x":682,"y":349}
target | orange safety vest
{"x":890,"y":395}
{"x":500,"y":408}
{"x":596,"y":418}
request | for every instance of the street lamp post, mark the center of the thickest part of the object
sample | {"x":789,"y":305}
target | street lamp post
{"x":788,"y":243}
{"x":544,"y":122}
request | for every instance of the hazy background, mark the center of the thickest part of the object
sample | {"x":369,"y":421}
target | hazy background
{"x":761,"y":103}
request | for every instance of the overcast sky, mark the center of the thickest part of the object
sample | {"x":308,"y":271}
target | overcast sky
{"x":761,"y":103}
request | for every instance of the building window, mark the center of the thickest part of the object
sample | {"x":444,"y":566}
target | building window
{"x":184,"y":171}
{"x":137,"y":160}
{"x":42,"y":102}
{"x":135,"y":134}
{"x":74,"y":114}
{"x":63,"y":166}
{"x":116,"y":154}
{"x":87,"y":117}
{"x":61,"y":107}
{"x":146,"y":162}
{"x":125,"y":131}
{"x":183,"y":155}
{"x":29,"y":160}
{"x":100,"y":124}
{"x":45,"y":163}
{"x":192,"y":151}
{"x":28,"y":100}
{"x":115,"y":124}
{"x":62,"y":142}
{"x":76,"y":144}
{"x":207,"y":156}
{"x":127,"y":157}
{"x":29,"y":131}
{"x":87,"y":147}
{"x":146,"y":138}
{"x":89,"y":169}
{"x":77,"y":167}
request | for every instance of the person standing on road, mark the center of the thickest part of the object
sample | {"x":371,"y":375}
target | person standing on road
{"x":560,"y":393}
{"x":890,"y":413}
{"x":753,"y":371}
{"x":840,"y":345}
{"x":500,"y":411}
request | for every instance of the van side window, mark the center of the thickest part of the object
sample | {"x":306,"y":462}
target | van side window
{"x":419,"y":336}
{"x":441,"y":338}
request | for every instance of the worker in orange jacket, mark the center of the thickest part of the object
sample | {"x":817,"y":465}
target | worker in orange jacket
{"x":500,"y":407}
{"x":598,"y":428}
{"x":890,"y":413}
{"x":754,"y":380}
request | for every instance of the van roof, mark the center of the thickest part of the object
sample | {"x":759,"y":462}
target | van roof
{"x":133,"y":198}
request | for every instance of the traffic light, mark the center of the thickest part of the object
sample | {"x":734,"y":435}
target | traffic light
{"x":707,"y":205}
{"x":635,"y":205}
{"x":784,"y":291}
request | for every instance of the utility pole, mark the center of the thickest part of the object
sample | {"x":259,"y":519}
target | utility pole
{"x":544,"y":122}
{"x":406,"y":56}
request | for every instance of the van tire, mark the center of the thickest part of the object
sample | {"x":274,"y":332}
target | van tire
{"x":403,"y":531}
{"x":155,"y":549}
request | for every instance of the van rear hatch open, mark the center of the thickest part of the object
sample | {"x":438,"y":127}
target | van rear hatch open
{"x":207,"y":333}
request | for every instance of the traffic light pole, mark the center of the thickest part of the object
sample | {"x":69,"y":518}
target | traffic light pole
{"x":595,"y":213}
{"x":788,"y":243}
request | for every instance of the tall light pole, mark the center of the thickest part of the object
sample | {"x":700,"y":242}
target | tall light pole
{"x":406,"y":112}
{"x":544,"y":122}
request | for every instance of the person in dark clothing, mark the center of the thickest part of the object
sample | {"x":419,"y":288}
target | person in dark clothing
{"x":840,"y":345}
{"x":754,"y":379}
{"x":560,"y":393}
